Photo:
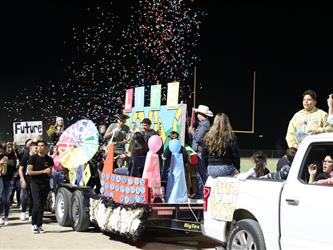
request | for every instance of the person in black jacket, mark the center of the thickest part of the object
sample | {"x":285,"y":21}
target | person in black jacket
{"x":222,"y":148}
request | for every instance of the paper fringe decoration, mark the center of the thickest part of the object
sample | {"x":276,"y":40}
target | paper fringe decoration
{"x":120,"y":219}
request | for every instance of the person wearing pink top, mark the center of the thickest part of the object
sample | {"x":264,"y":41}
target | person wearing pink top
{"x":328,"y":181}
{"x":57,"y":173}
{"x":57,"y":169}
{"x":317,"y":177}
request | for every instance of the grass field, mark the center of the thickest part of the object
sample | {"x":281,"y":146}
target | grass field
{"x":247,"y":163}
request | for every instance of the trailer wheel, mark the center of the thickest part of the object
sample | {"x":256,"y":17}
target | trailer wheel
{"x":80,"y":217}
{"x":62,"y":207}
{"x":246,"y":234}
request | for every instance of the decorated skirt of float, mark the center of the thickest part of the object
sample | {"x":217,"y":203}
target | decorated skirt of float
{"x":112,"y":217}
{"x":123,"y":204}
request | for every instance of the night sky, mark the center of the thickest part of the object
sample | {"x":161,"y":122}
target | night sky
{"x":289,"y":48}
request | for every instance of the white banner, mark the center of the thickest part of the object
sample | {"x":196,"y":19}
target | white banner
{"x":23,"y":131}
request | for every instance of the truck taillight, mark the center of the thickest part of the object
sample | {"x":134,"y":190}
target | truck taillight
{"x":206,"y":196}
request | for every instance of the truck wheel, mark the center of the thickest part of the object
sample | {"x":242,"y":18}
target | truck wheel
{"x":246,"y":234}
{"x":62,"y":207}
{"x":80,"y":217}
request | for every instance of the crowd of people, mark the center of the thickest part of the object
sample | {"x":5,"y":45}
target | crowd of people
{"x":28,"y":173}
{"x":32,"y":172}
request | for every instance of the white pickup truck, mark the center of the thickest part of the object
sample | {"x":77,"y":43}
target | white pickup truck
{"x":270,"y":214}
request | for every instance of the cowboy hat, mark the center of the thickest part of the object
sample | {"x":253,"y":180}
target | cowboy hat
{"x":122,"y":117}
{"x":202,"y":109}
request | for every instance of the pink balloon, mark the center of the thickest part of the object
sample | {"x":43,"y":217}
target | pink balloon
{"x":154,"y":143}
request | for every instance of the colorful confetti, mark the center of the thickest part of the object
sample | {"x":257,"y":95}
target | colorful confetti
{"x":153,"y":41}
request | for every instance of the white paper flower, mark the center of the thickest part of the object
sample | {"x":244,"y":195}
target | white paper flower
{"x":100,"y":217}
{"x":114,"y":221}
{"x":108,"y":212}
{"x":134,"y":226}
{"x":124,"y":220}
{"x":93,"y":208}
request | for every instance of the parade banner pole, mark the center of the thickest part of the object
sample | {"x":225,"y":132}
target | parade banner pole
{"x":194,"y":86}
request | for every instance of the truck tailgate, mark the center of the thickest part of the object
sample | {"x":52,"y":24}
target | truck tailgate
{"x":229,"y":197}
{"x":184,"y":216}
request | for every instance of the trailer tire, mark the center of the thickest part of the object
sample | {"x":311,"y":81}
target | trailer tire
{"x":79,"y":215}
{"x":246,"y":234}
{"x":62,"y":207}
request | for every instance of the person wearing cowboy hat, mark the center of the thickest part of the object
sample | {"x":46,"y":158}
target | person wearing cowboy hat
{"x":118,"y":134}
{"x":197,"y":135}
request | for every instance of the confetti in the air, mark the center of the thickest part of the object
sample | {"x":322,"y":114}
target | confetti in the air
{"x":154,"y":41}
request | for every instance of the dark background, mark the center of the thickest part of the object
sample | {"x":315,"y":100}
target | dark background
{"x":289,"y":47}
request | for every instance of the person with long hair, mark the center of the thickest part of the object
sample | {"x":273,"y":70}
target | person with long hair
{"x":222,"y":148}
{"x":55,"y":131}
{"x":8,"y":182}
{"x":58,"y":173}
{"x":3,"y":168}
{"x":259,"y":170}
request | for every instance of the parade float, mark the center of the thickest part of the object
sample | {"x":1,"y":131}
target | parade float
{"x":128,"y":204}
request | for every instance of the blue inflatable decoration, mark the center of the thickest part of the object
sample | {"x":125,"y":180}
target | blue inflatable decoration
{"x":176,"y":191}
{"x":175,"y":146}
